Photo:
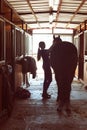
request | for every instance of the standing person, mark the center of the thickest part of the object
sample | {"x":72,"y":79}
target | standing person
{"x":44,"y":53}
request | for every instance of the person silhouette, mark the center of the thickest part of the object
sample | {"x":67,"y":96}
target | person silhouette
{"x":45,"y":55}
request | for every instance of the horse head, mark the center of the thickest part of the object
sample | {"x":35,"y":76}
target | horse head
{"x":57,"y":39}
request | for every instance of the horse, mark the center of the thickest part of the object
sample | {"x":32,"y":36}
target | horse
{"x":28,"y":65}
{"x":63,"y":61}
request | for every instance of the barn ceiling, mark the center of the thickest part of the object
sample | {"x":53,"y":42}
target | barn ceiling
{"x":51,"y":13}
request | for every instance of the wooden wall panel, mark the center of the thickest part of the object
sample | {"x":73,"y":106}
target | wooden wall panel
{"x":0,"y":92}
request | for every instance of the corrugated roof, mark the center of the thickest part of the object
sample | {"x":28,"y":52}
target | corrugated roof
{"x":65,"y":13}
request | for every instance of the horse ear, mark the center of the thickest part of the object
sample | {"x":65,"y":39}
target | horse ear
{"x":54,"y":37}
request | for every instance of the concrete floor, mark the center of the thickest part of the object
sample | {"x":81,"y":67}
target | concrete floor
{"x":37,"y":114}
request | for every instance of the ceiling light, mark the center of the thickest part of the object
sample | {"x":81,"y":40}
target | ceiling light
{"x":50,"y":3}
{"x":50,"y":18}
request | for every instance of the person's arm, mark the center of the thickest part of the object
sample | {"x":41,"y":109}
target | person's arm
{"x":38,"y":54}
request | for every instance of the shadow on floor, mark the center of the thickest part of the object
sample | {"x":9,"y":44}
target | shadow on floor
{"x":37,"y":114}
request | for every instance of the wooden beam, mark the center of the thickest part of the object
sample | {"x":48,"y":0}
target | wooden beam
{"x":83,"y":1}
{"x":58,"y":10}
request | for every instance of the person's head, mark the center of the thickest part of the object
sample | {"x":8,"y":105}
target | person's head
{"x":42,"y":45}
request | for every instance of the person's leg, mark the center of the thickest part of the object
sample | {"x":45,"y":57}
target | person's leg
{"x":23,"y":78}
{"x":27,"y":83}
{"x":47,"y":81}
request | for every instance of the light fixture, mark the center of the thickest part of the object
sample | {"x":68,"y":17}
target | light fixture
{"x":50,"y":14}
{"x":50,"y":18}
{"x":50,"y":3}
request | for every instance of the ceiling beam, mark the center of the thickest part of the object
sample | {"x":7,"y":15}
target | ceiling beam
{"x":83,"y":1}
{"x":58,"y":10}
{"x":33,"y":22}
{"x":33,"y":12}
{"x":64,"y":12}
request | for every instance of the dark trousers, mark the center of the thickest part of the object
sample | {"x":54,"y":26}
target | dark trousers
{"x":47,"y":79}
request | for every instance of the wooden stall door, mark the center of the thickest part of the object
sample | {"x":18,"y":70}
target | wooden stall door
{"x":85,"y":57}
{"x":81,"y":57}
